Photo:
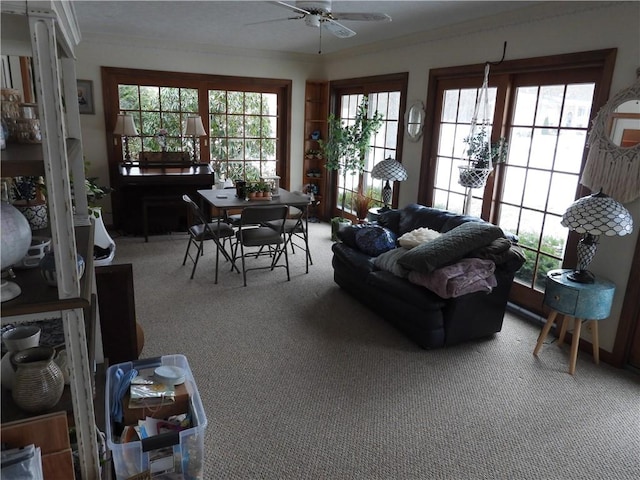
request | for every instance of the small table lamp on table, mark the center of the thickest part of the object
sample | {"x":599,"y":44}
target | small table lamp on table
{"x":195,"y":128}
{"x":388,"y":170}
{"x":125,"y":127}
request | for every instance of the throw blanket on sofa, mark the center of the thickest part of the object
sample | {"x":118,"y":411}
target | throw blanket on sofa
{"x":466,"y":276}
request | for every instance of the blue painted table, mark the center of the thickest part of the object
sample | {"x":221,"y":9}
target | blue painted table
{"x":588,"y":301}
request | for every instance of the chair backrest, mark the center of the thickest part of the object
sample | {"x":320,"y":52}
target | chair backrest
{"x":195,"y":209}
{"x":263,"y":214}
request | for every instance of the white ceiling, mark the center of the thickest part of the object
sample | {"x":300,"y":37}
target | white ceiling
{"x":226,"y":23}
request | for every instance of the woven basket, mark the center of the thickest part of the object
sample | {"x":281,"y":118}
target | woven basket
{"x":471,"y":177}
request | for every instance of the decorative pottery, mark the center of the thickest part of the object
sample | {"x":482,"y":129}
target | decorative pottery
{"x":16,"y":339}
{"x":35,"y":213}
{"x":39,"y":247}
{"x":104,"y":248}
{"x":38,"y":382}
{"x":16,"y":240}
{"x":48,"y":268}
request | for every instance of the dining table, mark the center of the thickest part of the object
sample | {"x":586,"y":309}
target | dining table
{"x":225,"y":199}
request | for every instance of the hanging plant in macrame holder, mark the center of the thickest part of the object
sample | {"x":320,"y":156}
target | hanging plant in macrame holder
{"x":479,"y":157}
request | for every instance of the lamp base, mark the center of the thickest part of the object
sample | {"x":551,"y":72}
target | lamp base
{"x":581,"y":276}
{"x":9,"y":290}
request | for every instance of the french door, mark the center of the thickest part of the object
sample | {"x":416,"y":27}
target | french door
{"x":386,"y":95}
{"x":544,"y":114}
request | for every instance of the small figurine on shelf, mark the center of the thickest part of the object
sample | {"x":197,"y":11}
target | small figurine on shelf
{"x":161,"y":135}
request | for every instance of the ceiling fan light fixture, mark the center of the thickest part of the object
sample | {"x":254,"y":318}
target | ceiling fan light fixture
{"x":312,"y":20}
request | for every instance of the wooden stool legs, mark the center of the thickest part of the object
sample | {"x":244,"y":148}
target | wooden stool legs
{"x":577,"y":324}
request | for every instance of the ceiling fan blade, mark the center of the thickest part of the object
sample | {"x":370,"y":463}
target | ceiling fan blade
{"x":365,"y":17}
{"x":276,"y":20}
{"x":291,"y":7}
{"x":337,"y":29}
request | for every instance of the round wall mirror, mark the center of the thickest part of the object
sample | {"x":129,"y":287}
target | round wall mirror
{"x":414,"y":120}
{"x":613,"y":160}
{"x":624,"y":124}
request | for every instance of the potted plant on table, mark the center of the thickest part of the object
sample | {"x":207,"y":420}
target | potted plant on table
{"x":345,"y":150}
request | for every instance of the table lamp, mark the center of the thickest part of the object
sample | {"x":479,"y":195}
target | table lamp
{"x":388,"y":170}
{"x":194,"y":128}
{"x":594,"y":215}
{"x":125,"y":127}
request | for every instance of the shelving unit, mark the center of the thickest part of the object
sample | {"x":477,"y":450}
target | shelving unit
{"x":48,"y":31}
{"x":316,"y":112}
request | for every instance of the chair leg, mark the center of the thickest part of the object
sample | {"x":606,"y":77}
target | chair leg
{"x":244,"y":271}
{"x":217,"y":262}
{"x":186,"y":254}
{"x":197,"y":257}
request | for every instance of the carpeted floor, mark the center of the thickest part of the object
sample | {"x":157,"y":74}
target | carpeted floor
{"x":299,"y":381}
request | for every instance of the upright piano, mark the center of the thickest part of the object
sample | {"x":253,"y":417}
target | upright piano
{"x":148,"y":196}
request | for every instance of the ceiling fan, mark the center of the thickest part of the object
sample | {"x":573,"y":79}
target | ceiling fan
{"x":319,"y":14}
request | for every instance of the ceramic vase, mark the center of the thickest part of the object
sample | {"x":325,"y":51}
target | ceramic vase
{"x":38,"y":382}
{"x":104,"y":246}
{"x":48,"y":268}
{"x":16,"y":339}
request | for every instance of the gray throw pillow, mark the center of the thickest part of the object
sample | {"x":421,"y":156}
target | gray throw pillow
{"x":450,"y":246}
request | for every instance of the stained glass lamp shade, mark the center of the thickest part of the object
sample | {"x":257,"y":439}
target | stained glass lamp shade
{"x":592,"y":216}
{"x":388,"y":170}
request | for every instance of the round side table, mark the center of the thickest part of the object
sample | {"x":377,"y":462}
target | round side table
{"x":588,"y":301}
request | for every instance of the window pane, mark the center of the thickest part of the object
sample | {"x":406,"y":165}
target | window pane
{"x":549,"y":105}
{"x":519,"y":146}
{"x":149,"y":98}
{"x":526,"y":99}
{"x":513,"y":185}
{"x":543,"y":148}
{"x":570,"y":147}
{"x":536,"y":189}
{"x":128,"y":97}
{"x":450,"y":106}
{"x":170,"y":99}
{"x":562,"y":193}
{"x":578,"y":105}
{"x":467,"y":105}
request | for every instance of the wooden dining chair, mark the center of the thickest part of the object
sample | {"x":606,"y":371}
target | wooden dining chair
{"x":202,"y":230}
{"x":261,"y":235}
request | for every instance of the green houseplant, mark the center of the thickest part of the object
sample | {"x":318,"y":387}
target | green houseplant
{"x":345,"y":149}
{"x":482,"y":155}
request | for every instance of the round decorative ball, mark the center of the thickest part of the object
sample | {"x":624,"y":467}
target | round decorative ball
{"x":16,"y":235}
{"x":48,"y":268}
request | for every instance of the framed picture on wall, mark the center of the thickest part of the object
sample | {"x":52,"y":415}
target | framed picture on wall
{"x":85,"y":97}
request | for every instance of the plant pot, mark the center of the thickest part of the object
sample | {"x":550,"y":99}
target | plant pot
{"x":337,"y":224}
{"x":35,"y":213}
{"x":471,"y":177}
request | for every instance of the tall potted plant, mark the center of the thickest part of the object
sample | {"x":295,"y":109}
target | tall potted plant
{"x":346,"y":148}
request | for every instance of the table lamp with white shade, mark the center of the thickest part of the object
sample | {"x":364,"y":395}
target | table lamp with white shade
{"x":594,"y":215}
{"x":194,"y":128}
{"x":125,"y":127}
{"x":388,"y":170}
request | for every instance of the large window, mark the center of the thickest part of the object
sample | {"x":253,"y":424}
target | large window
{"x":387,"y":96}
{"x":247,"y":119}
{"x":543,"y":108}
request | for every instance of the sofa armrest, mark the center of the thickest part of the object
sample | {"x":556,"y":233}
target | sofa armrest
{"x":351,"y":258}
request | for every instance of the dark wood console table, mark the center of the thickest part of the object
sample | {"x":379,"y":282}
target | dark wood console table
{"x":146,"y":185}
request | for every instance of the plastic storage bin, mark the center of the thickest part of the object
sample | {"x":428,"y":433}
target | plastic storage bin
{"x":187,"y":445}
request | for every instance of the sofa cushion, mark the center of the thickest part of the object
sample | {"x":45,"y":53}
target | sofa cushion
{"x":419,"y":297}
{"x":415,"y":216}
{"x":450,"y":246}
{"x":375,"y":240}
{"x":388,"y":261}
{"x":347,"y":235}
{"x":418,"y":236}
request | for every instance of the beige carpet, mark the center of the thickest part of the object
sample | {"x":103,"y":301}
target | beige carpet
{"x":299,"y":381}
